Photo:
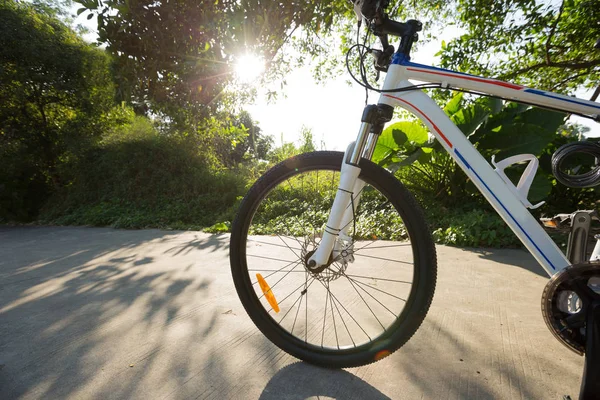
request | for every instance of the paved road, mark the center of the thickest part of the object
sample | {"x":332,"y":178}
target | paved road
{"x":112,"y":314}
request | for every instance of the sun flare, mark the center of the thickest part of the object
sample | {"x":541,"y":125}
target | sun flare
{"x":249,"y":67}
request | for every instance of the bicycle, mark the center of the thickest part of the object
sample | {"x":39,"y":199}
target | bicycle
{"x":307,"y":241}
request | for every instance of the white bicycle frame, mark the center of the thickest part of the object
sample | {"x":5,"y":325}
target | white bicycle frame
{"x":507,"y":200}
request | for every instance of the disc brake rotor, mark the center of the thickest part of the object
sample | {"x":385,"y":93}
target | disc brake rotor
{"x":565,"y":301}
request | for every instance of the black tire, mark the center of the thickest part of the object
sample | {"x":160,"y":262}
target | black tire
{"x":260,"y":212}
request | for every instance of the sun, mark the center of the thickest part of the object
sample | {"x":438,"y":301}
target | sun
{"x":249,"y":67}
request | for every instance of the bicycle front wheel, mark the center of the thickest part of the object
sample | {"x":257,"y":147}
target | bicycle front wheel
{"x":370,"y":298}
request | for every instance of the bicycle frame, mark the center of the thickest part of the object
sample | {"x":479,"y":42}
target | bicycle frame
{"x":495,"y":189}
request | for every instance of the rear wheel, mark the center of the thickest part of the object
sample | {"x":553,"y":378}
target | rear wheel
{"x":369,"y":300}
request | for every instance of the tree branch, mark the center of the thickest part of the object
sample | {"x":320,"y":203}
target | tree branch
{"x":552,"y":31}
{"x":569,"y":79}
{"x":565,"y":65}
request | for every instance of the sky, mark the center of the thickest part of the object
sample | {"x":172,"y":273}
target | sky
{"x":331,"y":110}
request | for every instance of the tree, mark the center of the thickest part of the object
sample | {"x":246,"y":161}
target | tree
{"x":549,"y":45}
{"x":55,"y":96}
{"x":176,"y":56}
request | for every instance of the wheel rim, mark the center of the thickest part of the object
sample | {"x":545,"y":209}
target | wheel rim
{"x":361,"y":296}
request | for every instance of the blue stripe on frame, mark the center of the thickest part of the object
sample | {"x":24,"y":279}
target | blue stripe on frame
{"x":546,"y":94}
{"x":462,"y":159}
{"x":407,"y":63}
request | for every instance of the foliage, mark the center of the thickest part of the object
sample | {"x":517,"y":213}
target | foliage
{"x":56,"y":96}
{"x":176,"y":57}
{"x":474,"y":226}
{"x":301,"y":204}
{"x":496,"y":130}
{"x":241,"y":140}
{"x":306,"y":144}
{"x":549,"y":45}
{"x":138,"y":178}
{"x":543,"y":44}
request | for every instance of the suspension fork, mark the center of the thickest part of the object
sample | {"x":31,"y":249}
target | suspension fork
{"x":347,"y":196}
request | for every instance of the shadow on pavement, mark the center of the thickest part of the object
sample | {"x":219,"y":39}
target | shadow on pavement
{"x":65,"y":292}
{"x":301,"y":381}
{"x":514,"y":257}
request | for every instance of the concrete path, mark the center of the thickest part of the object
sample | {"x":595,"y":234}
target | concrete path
{"x":94,"y":313}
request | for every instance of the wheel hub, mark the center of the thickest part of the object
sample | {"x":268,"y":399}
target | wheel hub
{"x":332,"y":270}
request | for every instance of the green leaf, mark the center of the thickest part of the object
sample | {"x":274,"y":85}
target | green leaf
{"x":517,"y":138}
{"x":414,"y":132}
{"x":414,"y":156}
{"x":470,"y":118}
{"x":79,"y":11}
{"x":546,"y":119}
{"x":454,"y":104}
{"x":404,"y":135}
{"x":386,"y":145}
{"x":540,"y":187}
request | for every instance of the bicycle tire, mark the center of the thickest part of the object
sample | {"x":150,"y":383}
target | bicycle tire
{"x":424,"y":270}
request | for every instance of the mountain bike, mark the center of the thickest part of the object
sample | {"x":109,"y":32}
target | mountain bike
{"x":331,"y":255}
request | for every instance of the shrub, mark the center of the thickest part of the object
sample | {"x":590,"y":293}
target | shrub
{"x":138,"y":178}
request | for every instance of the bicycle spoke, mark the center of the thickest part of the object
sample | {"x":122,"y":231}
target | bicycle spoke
{"x":297,"y":312}
{"x":347,"y":312}
{"x":384,"y":259}
{"x":325,"y":314}
{"x":271,"y":270}
{"x":291,"y":232}
{"x":296,"y":254}
{"x":378,"y":279}
{"x":273,"y":244}
{"x":340,"y":312}
{"x":379,"y":290}
{"x":291,"y":308}
{"x":282,"y":278}
{"x":293,"y":291}
{"x":334,"y":327}
{"x":279,"y":270}
{"x":367,"y":304}
{"x":295,"y":216}
{"x":373,"y":297}
{"x":271,"y":258}
{"x":385,"y":247}
{"x":343,"y":322}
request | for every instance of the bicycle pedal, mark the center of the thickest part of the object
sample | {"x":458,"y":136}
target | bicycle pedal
{"x":565,"y":221}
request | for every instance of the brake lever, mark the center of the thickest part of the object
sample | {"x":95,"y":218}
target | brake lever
{"x":382,"y":58}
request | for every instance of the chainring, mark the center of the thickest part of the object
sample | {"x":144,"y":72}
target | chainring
{"x":565,"y":300}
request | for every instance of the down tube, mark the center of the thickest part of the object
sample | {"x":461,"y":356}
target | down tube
{"x":489,"y":183}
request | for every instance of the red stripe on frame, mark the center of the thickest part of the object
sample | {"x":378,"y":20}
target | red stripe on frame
{"x":470,"y":78}
{"x":426,"y":117}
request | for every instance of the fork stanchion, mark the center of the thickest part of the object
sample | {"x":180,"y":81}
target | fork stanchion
{"x":590,"y":383}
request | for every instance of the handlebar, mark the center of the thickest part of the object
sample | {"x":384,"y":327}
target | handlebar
{"x":381,"y":25}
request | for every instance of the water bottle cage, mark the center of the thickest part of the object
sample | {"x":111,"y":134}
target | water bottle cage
{"x":522,"y":188}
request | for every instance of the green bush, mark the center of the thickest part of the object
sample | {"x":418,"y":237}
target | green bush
{"x":138,"y":178}
{"x":471,"y":227}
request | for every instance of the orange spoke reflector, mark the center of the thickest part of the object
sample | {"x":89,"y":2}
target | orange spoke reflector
{"x":264,"y":286}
